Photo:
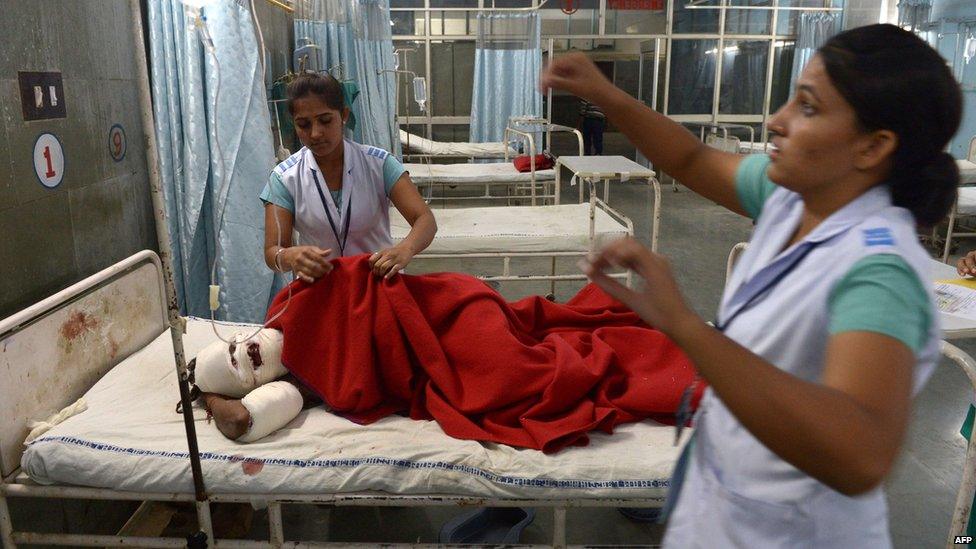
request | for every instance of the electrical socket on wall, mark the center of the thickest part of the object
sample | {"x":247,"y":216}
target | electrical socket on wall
{"x":41,"y":95}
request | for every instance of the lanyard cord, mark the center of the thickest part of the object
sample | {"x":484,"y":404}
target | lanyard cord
{"x":721,"y":326}
{"x":683,"y":413}
{"x":340,"y":241}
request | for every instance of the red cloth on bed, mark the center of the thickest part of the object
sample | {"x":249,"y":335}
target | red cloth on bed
{"x":447,"y":347}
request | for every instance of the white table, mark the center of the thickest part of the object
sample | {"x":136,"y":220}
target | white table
{"x":607,"y":168}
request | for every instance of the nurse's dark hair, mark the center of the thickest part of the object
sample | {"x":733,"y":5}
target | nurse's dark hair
{"x":312,"y":83}
{"x":897,"y":82}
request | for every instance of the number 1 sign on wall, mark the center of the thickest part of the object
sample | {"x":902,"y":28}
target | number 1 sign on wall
{"x":49,"y":160}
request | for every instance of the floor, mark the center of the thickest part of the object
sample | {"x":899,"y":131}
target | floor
{"x":696,"y":236}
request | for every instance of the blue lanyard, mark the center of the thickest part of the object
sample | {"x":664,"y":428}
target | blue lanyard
{"x":325,"y":205}
{"x":762,"y":291}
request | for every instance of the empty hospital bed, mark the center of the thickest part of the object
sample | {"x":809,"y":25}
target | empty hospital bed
{"x":550,"y":231}
{"x":415,"y":146}
{"x":106,"y":339}
{"x":536,"y":185}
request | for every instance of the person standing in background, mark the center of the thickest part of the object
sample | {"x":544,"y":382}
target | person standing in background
{"x":592,"y":121}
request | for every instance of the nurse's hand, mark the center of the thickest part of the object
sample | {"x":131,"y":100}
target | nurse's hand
{"x":390,"y":261}
{"x":967,"y":265}
{"x":658,"y":301}
{"x":576,"y":74}
{"x":309,"y":263}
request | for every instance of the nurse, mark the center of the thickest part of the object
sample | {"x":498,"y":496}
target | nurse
{"x":826,"y":328}
{"x":336,"y":193}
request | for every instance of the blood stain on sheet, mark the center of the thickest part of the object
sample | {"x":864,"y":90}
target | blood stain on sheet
{"x":77,"y":324}
{"x":252,"y":466}
{"x":233,"y":359}
{"x":254,"y":353}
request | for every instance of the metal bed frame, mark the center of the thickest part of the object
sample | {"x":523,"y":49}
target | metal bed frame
{"x":518,"y":129}
{"x":134,"y":290}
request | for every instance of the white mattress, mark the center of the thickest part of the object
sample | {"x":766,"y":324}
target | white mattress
{"x":745,"y":147}
{"x":493,"y":172}
{"x":130,"y":438}
{"x":563,"y":228}
{"x":423,"y":145}
{"x":967,"y":172}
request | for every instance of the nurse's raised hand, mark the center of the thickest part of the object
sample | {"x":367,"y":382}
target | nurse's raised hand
{"x":309,"y":263}
{"x":658,"y":299}
{"x":390,"y":261}
{"x":576,"y":74}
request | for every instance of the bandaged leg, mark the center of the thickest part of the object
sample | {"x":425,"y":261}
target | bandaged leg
{"x":271,"y":407}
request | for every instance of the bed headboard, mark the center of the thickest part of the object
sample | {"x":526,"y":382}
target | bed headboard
{"x":55,"y":350}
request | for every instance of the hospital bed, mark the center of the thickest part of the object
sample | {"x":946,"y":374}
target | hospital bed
{"x":537,"y":185}
{"x":965,"y":205}
{"x":550,"y":231}
{"x":106,"y":339}
{"x":415,"y":146}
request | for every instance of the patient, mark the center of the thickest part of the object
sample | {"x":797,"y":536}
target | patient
{"x":446,"y":347}
{"x":246,"y":389}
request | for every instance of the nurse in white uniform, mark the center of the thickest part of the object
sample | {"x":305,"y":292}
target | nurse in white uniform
{"x":337,"y":193}
{"x":826,"y":328}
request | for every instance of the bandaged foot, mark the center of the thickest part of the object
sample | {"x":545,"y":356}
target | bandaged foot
{"x":260,"y":413}
{"x":234,"y":370}
{"x":271,"y":407}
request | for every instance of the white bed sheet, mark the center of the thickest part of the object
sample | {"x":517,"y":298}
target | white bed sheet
{"x":423,"y":145}
{"x":130,"y":438}
{"x":562,"y":228}
{"x":459,"y":174}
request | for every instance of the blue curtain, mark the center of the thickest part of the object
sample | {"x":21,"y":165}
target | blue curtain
{"x":355,"y":34}
{"x":507,"y":63}
{"x":211,"y":188}
{"x":913,"y":14}
{"x":812,"y":31}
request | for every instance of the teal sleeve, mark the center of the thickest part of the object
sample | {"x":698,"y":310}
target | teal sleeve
{"x":392,"y":170}
{"x":882,"y":294}
{"x":275,"y":193}
{"x":751,"y":184}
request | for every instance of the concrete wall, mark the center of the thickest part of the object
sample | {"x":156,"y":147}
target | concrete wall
{"x":101,"y":212}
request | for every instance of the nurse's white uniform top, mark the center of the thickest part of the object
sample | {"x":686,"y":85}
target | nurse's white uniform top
{"x":737,"y":493}
{"x":358,"y":221}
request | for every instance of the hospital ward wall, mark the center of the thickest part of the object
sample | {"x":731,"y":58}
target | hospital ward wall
{"x":100,"y":211}
{"x":958,"y":19}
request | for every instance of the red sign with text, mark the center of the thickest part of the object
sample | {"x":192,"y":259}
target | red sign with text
{"x":635,"y":4}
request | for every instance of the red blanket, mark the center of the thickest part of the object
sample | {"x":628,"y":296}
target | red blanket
{"x":531,"y":373}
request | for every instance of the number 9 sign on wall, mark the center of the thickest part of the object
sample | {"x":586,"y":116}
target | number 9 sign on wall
{"x":116,"y":142}
{"x":48,"y":160}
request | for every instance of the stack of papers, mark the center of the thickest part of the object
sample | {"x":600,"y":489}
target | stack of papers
{"x":956,"y":297}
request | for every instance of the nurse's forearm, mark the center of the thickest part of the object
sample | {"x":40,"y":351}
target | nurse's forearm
{"x":818,"y":429}
{"x":421,"y":233}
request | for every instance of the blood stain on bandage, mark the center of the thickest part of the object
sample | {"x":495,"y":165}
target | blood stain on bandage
{"x":233,"y":359}
{"x":254,"y":353}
